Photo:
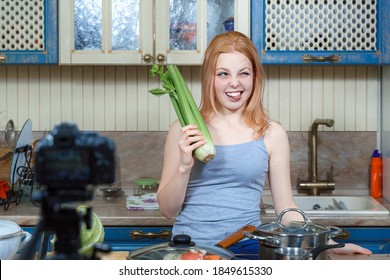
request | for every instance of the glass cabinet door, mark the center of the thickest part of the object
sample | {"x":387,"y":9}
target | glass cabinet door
{"x":145,"y":31}
{"x":187,"y":26}
{"x":106,"y":31}
{"x":123,"y":33}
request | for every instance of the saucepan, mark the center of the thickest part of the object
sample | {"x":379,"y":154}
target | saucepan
{"x":12,"y":239}
{"x":296,"y":253}
{"x":183,"y":248}
{"x":299,"y":234}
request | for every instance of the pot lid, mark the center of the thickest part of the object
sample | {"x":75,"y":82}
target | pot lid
{"x":299,"y":228}
{"x":9,"y":229}
{"x":296,"y":228}
{"x":180,"y":248}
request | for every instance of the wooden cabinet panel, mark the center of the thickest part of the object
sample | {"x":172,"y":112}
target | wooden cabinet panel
{"x":120,"y":238}
{"x":28,"y":32}
{"x":375,"y":239}
{"x":321,"y":32}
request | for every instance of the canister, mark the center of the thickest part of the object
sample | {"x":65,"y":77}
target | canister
{"x":145,"y":185}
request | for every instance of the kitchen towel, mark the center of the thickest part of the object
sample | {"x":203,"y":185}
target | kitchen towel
{"x":143,"y":202}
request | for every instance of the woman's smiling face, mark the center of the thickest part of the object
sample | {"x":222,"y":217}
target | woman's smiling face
{"x":233,"y":81}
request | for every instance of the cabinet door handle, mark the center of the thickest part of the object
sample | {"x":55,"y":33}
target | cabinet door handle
{"x":344,"y":235}
{"x":147,"y":58}
{"x":3,"y":58}
{"x":331,"y":58}
{"x":160,"y":58}
{"x":139,"y":234}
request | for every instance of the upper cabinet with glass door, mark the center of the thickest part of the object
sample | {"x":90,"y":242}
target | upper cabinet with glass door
{"x":328,"y":32}
{"x":144,"y":32}
{"x":191,"y":24}
{"x":104,"y":31}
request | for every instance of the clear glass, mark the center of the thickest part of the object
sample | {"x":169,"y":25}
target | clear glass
{"x":88,"y":24}
{"x":125,"y":24}
{"x":220,"y":17}
{"x":183,"y":24}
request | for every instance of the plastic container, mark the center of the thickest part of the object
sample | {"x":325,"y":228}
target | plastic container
{"x":145,"y":185}
{"x":376,"y":175}
{"x":228,"y":24}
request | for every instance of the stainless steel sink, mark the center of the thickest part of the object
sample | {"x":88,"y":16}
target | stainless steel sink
{"x":333,"y":205}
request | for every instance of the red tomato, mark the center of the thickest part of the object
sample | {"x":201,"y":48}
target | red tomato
{"x":212,"y":257}
{"x":191,"y":256}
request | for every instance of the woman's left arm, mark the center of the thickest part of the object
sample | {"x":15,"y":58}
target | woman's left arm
{"x":278,"y":148}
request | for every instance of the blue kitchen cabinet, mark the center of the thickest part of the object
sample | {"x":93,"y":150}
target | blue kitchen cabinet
{"x":122,"y":238}
{"x":133,"y":238}
{"x":29,"y":32}
{"x":31,"y":230}
{"x":40,"y":243}
{"x":313,"y":32}
{"x":376,"y":239}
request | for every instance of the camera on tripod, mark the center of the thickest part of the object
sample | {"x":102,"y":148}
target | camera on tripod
{"x":68,"y":158}
{"x":68,"y":164}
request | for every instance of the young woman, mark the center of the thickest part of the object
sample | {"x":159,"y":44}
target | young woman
{"x":217,"y":198}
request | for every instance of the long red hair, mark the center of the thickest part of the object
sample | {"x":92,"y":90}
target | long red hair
{"x":255,"y":114}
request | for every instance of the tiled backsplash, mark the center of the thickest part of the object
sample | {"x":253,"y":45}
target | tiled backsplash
{"x":348,"y":152}
{"x":141,"y":155}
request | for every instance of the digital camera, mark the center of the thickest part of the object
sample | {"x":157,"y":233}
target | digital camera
{"x":68,"y":158}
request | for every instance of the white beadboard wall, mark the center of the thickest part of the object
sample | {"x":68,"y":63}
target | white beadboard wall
{"x":111,"y":98}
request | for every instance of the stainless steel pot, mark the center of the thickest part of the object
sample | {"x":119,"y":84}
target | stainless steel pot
{"x":300,"y":234}
{"x":294,"y":253}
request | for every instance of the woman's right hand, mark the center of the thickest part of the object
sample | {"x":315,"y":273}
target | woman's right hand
{"x":178,"y":161}
{"x":190,"y":139}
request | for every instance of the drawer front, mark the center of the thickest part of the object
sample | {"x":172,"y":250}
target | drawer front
{"x":132,"y":238}
{"x":376,"y":239}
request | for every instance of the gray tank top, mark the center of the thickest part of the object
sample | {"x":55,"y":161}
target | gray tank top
{"x":224,"y":194}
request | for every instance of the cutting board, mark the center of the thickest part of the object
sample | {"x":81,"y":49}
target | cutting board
{"x":115,"y":255}
{"x":19,"y":159}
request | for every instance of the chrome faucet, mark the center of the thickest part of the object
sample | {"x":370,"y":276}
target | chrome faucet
{"x":314,"y":186}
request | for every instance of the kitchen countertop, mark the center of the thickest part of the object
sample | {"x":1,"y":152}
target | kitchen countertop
{"x":114,"y":213}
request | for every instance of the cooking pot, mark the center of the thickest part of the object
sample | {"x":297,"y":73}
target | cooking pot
{"x":295,"y":253}
{"x":181,"y":247}
{"x":12,"y":239}
{"x":299,"y":234}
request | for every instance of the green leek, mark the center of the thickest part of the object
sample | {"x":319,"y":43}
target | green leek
{"x":184,"y":104}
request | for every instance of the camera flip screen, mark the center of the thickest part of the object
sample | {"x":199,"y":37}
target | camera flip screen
{"x":67,"y":166}
{"x":68,"y":158}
